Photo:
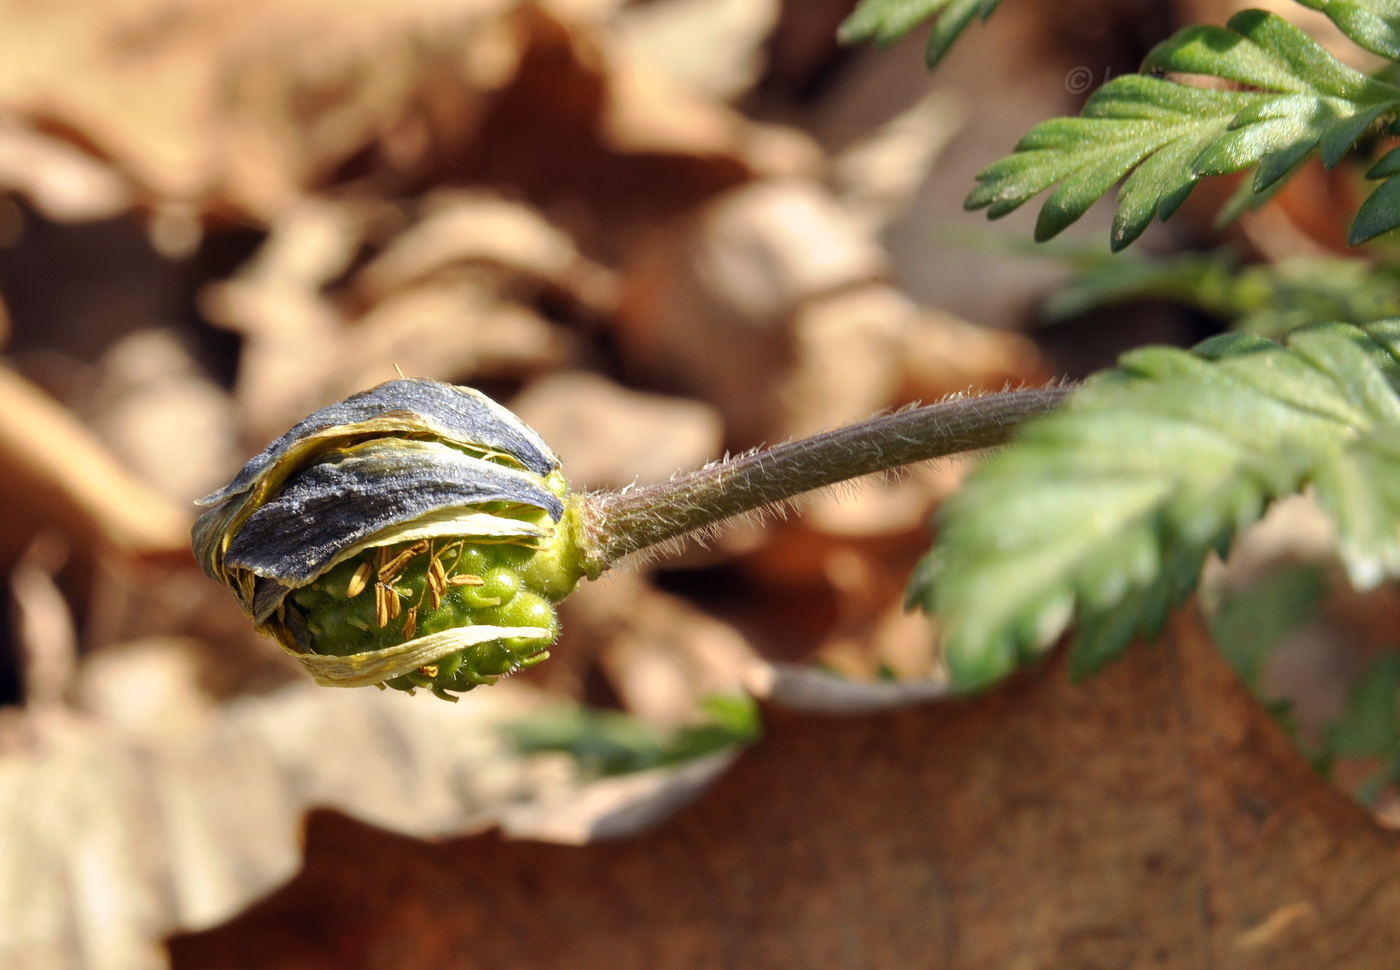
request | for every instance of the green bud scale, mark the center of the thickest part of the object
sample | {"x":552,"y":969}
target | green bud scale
{"x":415,"y":535}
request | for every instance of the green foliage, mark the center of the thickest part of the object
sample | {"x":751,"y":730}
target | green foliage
{"x":1248,"y":625}
{"x":1286,"y":98}
{"x":1372,"y":24}
{"x":1105,"y":511}
{"x":1101,"y":515}
{"x":886,"y":21}
{"x":1263,"y":298}
{"x":1251,"y":623}
{"x":1269,"y":299}
{"x":1370,"y":725}
{"x":614,"y":743}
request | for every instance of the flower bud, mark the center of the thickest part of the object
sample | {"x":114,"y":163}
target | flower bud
{"x":414,"y":535}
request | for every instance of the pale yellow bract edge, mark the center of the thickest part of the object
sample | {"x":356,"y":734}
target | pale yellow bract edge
{"x":377,"y":666}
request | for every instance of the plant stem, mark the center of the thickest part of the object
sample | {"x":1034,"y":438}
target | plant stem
{"x":617,"y":524}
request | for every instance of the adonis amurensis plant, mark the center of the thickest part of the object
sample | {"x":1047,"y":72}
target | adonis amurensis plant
{"x":418,"y":535}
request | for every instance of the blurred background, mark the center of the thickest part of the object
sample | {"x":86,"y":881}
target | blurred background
{"x":659,"y":231}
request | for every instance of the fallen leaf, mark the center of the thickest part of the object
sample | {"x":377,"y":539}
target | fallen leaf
{"x":45,"y":633}
{"x":712,"y":48}
{"x":1151,"y":816}
{"x":63,"y":182}
{"x":233,"y":105}
{"x":163,"y":417}
{"x":608,"y":436}
{"x":443,"y":330}
{"x":58,"y":473}
{"x":879,"y":176}
{"x":730,"y":276}
{"x":662,"y":655}
{"x":292,"y":331}
{"x":174,"y":815}
{"x":470,"y":229}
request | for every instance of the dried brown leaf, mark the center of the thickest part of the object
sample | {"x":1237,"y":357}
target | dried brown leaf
{"x":442,"y":330}
{"x":609,"y":436}
{"x":171,"y":815}
{"x":712,"y":48}
{"x":231,"y":104}
{"x":62,"y":181}
{"x":470,"y":229}
{"x":163,"y":417}
{"x":58,"y":473}
{"x":1151,"y":816}
{"x":662,"y":655}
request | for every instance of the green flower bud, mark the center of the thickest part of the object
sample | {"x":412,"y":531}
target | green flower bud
{"x":415,"y":535}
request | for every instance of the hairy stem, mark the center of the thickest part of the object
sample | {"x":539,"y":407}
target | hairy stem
{"x":616,"y":524}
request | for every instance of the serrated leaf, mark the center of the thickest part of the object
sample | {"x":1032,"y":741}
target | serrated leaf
{"x":949,"y":27}
{"x":1360,"y":489}
{"x":1159,"y":136}
{"x":886,"y":21}
{"x":1274,"y":170}
{"x":1386,"y":166}
{"x":1082,"y":189}
{"x":1372,"y":24}
{"x":1308,"y":61}
{"x":1379,"y":213}
{"x":1157,"y":187}
{"x":1104,"y":512}
{"x":1128,"y":120}
{"x":1219,"y":52}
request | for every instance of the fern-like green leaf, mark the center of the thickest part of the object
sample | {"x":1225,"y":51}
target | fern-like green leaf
{"x":886,"y":21}
{"x":1104,"y":512}
{"x":1161,"y":135}
{"x":1372,"y":24}
{"x":1381,"y":210}
{"x":1267,"y":298}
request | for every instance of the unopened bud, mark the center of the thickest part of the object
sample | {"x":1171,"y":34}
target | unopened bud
{"x":415,"y":535}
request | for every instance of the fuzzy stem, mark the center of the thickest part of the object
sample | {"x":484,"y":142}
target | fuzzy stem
{"x":616,"y":524}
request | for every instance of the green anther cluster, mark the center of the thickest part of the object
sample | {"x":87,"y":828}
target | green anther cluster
{"x":389,"y":595}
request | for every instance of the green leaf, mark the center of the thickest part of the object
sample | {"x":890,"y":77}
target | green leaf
{"x":949,"y":27}
{"x":1251,"y":623}
{"x":1379,"y":213}
{"x":1269,"y":299}
{"x":607,"y":742}
{"x":1104,"y":512}
{"x":1388,"y":165}
{"x":1128,"y":120}
{"x":1265,"y":51}
{"x":1372,"y":24}
{"x":1158,"y":136}
{"x":886,"y":21}
{"x":1369,"y":726}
